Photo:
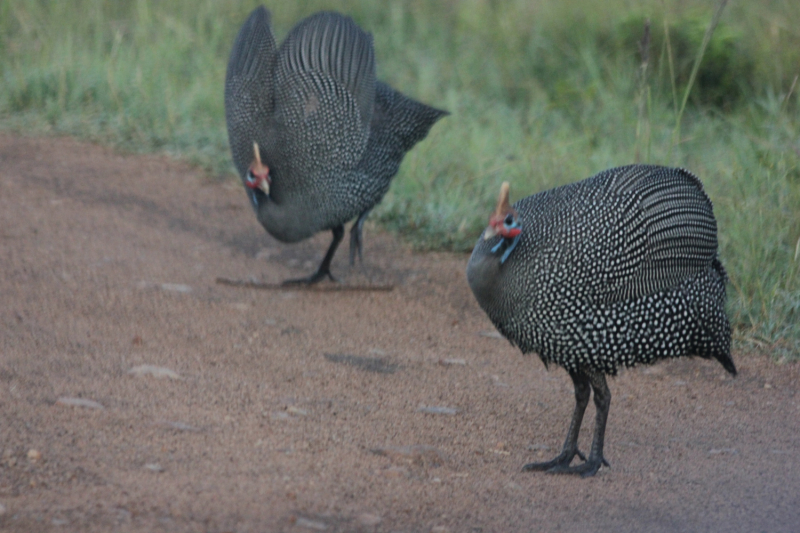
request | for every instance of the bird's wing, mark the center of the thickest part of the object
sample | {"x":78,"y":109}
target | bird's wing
{"x":334,"y":46}
{"x":324,"y":98}
{"x":656,"y":228}
{"x":249,"y":88}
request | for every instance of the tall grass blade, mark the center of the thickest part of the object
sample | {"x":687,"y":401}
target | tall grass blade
{"x":642,"y":122}
{"x":696,"y":67}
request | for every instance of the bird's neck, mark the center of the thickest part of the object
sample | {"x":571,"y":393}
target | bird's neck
{"x":285,"y":221}
{"x":484,"y":274}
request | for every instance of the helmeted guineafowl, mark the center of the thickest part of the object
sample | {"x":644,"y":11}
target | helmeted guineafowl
{"x":314,"y":137}
{"x":613,"y":271}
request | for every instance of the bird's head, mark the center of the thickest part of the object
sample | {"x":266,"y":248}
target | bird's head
{"x":504,"y":221}
{"x":258,"y":174}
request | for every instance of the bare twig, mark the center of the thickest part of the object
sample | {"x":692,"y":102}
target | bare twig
{"x":316,"y":287}
{"x":671,"y":67}
{"x":696,"y":67}
{"x":791,"y":90}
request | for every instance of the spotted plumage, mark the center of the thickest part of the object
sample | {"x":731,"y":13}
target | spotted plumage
{"x":613,"y":271}
{"x":330,"y":136}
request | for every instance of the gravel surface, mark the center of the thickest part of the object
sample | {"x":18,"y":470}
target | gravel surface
{"x":137,"y":394}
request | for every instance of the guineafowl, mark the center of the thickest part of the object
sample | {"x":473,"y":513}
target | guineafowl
{"x":613,"y":271}
{"x":314,"y":136}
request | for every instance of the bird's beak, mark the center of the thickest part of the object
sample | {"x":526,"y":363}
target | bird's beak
{"x":261,"y":169}
{"x":500,"y":212}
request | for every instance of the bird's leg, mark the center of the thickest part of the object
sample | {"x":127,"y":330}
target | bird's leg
{"x":602,"y":402}
{"x":570,"y":449}
{"x":356,"y":242}
{"x":324,"y":267}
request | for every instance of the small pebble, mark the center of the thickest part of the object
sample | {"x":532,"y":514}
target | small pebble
{"x":79,"y":402}
{"x":292,"y":410}
{"x":716,"y":451}
{"x":311,"y":524}
{"x":437,"y":410}
{"x":154,"y":467}
{"x":176,"y":287}
{"x":34,"y":456}
{"x":8,"y":457}
{"x":158,"y":372}
{"x":395,"y":472}
{"x":172,"y":287}
{"x":369,"y":519}
{"x":179,"y":426}
{"x":497,"y":381}
{"x":451,"y":362}
{"x":2,"y":509}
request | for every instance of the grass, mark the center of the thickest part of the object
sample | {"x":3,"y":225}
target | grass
{"x":541,"y":94}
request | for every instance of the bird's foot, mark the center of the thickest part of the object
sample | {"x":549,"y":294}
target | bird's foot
{"x":585,"y":469}
{"x":562,"y":461}
{"x":316,"y":277}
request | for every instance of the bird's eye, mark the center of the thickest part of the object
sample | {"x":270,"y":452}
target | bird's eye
{"x":250,"y":178}
{"x":509,"y":220}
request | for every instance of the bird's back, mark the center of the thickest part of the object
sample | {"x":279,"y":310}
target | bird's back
{"x":615,"y":270}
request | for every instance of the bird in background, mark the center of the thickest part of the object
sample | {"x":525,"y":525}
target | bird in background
{"x":315,"y":138}
{"x":616,"y":270}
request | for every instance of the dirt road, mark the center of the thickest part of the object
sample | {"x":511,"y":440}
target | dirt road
{"x":304,"y":411}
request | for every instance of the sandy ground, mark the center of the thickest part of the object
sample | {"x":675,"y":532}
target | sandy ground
{"x":304,"y":411}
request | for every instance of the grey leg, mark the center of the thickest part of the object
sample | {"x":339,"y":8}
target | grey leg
{"x":324,"y":267}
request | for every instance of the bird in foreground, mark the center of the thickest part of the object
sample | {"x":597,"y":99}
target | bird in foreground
{"x":315,"y":138}
{"x":616,"y":270}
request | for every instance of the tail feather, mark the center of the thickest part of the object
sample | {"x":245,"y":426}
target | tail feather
{"x":715,"y":320}
{"x":404,"y":120}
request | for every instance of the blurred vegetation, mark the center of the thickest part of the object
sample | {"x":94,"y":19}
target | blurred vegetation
{"x":541,"y":93}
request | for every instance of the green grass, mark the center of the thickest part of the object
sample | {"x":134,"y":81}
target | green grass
{"x":541,"y":94}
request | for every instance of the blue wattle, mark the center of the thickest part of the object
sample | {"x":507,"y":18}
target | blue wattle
{"x":510,"y":248}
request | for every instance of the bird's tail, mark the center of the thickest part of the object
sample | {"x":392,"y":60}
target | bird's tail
{"x":714,"y":318}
